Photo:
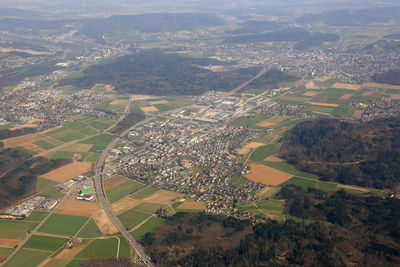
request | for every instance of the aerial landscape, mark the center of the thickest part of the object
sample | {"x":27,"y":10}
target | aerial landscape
{"x":199,"y":133}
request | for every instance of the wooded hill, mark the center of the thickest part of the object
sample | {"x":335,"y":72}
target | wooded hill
{"x":365,"y":154}
{"x":390,"y":77}
{"x":155,"y":73}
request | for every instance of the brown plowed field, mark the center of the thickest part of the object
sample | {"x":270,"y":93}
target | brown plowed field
{"x":266,"y":175}
{"x":158,"y":102}
{"x":347,"y":86}
{"x":163,"y":197}
{"x":68,"y":171}
{"x":149,"y":109}
{"x":104,"y":223}
{"x":192,"y":205}
{"x":345,"y":96}
{"x":22,"y":140}
{"x":78,"y":208}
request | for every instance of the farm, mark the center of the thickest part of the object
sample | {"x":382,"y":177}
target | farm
{"x":77,"y":208}
{"x":63,"y":224}
{"x":120,"y":191}
{"x":68,"y":171}
{"x":266,"y":175}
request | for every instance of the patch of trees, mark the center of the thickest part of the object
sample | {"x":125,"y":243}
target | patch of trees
{"x":365,"y":154}
{"x":130,"y":120}
{"x":270,"y":80}
{"x":153,"y":72}
{"x":96,"y":28}
{"x":107,"y":262}
{"x":368,"y":224}
{"x":316,"y":39}
{"x":19,"y":178}
{"x":358,"y":17}
{"x":390,"y":77}
{"x":31,"y":25}
{"x":6,"y":133}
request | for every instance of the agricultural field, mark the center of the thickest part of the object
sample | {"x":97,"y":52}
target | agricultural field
{"x":63,"y":224}
{"x":11,"y":229}
{"x":68,"y":171}
{"x":122,"y":190}
{"x":36,"y":216}
{"x":27,"y":257}
{"x":266,"y":175}
{"x":104,"y":223}
{"x":90,"y":230}
{"x":102,"y":139}
{"x":149,"y":226}
{"x":237,"y":179}
{"x":42,"y":242}
{"x":77,"y":208}
{"x":4,"y":253}
{"x":132,"y":218}
{"x":191,"y":206}
{"x":104,"y":247}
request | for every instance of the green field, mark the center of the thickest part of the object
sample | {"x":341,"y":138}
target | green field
{"x":240,"y":180}
{"x":44,"y":144}
{"x":62,"y":155}
{"x":122,"y":190}
{"x":148,"y":191}
{"x":261,"y":153}
{"x":283,"y":166}
{"x":124,"y":248}
{"x":25,"y":150}
{"x":300,"y":181}
{"x":99,"y":125}
{"x":37,"y":216}
{"x":26,"y":257}
{"x":164,"y":107}
{"x":53,"y":193}
{"x":15,"y":229}
{"x":106,"y":248}
{"x":43,"y":184}
{"x":102,"y":139}
{"x":90,"y":230}
{"x":149,"y":226}
{"x":63,"y":224}
{"x":327,"y":186}
{"x":149,"y":208}
{"x":42,"y":242}
{"x":132,"y":218}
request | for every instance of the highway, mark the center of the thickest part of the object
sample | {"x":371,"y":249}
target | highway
{"x":98,"y":182}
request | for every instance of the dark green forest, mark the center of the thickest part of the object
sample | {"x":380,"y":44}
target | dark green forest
{"x":347,"y":230}
{"x":270,"y":80}
{"x":153,"y":72}
{"x":365,"y":154}
{"x":390,"y":77}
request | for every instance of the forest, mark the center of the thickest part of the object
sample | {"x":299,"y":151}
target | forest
{"x":155,"y":73}
{"x":390,"y":77}
{"x":19,"y":174}
{"x":6,"y":133}
{"x":365,"y":154}
{"x":270,"y":80}
{"x":335,"y":238}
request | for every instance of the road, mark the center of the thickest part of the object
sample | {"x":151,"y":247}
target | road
{"x":262,"y":72}
{"x":98,"y":182}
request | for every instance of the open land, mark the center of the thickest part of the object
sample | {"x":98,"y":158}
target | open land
{"x":68,"y":171}
{"x":77,"y":208}
{"x":266,"y":175}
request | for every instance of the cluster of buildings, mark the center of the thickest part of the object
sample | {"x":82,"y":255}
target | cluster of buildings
{"x":24,"y":209}
{"x":80,"y":186}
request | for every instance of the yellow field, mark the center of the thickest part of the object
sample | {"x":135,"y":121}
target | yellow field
{"x":148,"y":109}
{"x":266,"y":175}
{"x":109,"y":88}
{"x":9,"y":243}
{"x":124,"y":204}
{"x":77,"y":148}
{"x":345,"y":96}
{"x":311,"y":85}
{"x":158,"y":102}
{"x":273,"y":159}
{"x":68,"y":171}
{"x":104,"y":223}
{"x":23,"y":140}
{"x":70,"y":253}
{"x":163,"y":197}
{"x":323,"y":104}
{"x":27,"y":125}
{"x":395,"y":97}
{"x":368,"y":93}
{"x":347,"y":86}
{"x":265,"y":124}
{"x":119,"y":102}
{"x":33,"y":147}
{"x":357,"y":113}
{"x":381,"y":85}
{"x":247,"y":148}
{"x":309,"y":93}
{"x":192,"y":205}
{"x":77,"y":208}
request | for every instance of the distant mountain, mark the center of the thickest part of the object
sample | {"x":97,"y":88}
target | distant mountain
{"x":358,"y":17}
{"x":305,"y":39}
{"x":256,"y":26}
{"x":15,"y":12}
{"x":96,"y":28}
{"x":393,"y":36}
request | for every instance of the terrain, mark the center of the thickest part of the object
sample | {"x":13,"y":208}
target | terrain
{"x":353,"y":153}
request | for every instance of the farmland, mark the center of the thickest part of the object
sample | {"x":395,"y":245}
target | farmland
{"x":42,"y":242}
{"x":27,"y":257}
{"x":132,"y":218}
{"x":103,"y":247}
{"x":63,"y":224}
{"x":68,"y":171}
{"x":122,"y":190}
{"x":266,"y":175}
{"x":15,"y":229}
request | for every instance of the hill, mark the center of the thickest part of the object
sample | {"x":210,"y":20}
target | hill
{"x":365,"y":154}
{"x":256,"y":26}
{"x":153,"y":72}
{"x":304,"y":38}
{"x":390,"y":77}
{"x":96,"y":28}
{"x":349,"y":17}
